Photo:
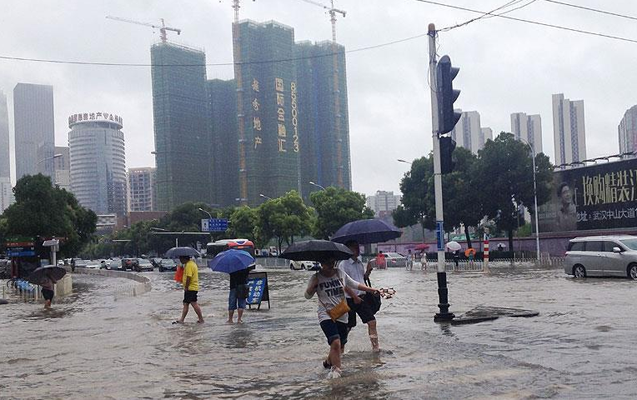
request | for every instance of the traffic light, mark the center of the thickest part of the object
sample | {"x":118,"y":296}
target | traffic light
{"x":447,"y":117}
{"x":447,"y":145}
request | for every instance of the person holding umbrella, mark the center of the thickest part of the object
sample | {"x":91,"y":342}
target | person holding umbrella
{"x":354,"y":268}
{"x":330,"y":285}
{"x":190,"y":281}
{"x":238,"y":264}
{"x":48,"y":289}
{"x":47,"y":277}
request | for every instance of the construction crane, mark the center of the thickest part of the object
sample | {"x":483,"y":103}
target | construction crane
{"x":162,"y":28}
{"x":332,"y":11}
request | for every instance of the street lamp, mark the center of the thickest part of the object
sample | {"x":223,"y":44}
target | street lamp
{"x":403,"y":161}
{"x":265,"y":197}
{"x":48,"y":159}
{"x":202,"y":210}
{"x":317,"y":185}
{"x":537,"y":225}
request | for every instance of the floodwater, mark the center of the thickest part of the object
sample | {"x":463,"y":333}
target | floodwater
{"x":95,"y":344}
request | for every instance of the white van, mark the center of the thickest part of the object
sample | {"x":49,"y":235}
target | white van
{"x":602,"y":256}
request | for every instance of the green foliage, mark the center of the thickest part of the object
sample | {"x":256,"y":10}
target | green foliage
{"x":42,"y":210}
{"x":336,"y":207}
{"x":242,"y":223}
{"x":283,"y":218}
{"x":505,"y":176}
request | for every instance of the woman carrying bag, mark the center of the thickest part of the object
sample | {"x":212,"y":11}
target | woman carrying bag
{"x":330,"y":285}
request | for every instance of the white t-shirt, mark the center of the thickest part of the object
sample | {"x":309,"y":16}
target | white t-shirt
{"x":355,"y":270}
{"x":330,"y":292}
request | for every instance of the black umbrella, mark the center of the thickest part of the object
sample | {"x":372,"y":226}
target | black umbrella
{"x":365,"y":231}
{"x":177,"y":252}
{"x":39,"y":275}
{"x":316,"y":250}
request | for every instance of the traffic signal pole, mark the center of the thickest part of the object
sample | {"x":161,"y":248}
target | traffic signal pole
{"x":443,"y":292}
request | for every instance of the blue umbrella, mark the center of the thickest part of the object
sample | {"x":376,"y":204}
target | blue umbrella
{"x":366,"y":231}
{"x":230,"y":261}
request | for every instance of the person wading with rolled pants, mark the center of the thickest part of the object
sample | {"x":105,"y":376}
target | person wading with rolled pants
{"x":190,"y":281}
{"x":355,"y":269}
{"x":330,"y":285}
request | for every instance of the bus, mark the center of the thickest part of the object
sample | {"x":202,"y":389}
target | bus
{"x":214,"y":248}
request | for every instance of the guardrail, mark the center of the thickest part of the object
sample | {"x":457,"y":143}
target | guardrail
{"x":26,"y":291}
{"x":142,"y":284}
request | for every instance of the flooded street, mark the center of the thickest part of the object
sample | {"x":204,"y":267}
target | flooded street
{"x":96,"y":344}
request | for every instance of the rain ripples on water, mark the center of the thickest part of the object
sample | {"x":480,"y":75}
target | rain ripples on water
{"x":96,"y":343}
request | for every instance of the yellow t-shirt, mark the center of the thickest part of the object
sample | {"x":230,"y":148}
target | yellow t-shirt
{"x":191,"y":270}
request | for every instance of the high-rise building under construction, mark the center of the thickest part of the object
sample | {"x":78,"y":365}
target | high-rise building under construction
{"x":267,"y":110}
{"x":181,"y":122}
{"x":323,"y":117}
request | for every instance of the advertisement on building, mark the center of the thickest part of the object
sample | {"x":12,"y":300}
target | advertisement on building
{"x":602,"y":196}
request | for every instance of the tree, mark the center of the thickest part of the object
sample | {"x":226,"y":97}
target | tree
{"x":283,"y":218}
{"x":45,"y":211}
{"x":242,"y":222}
{"x":504,"y":175}
{"x":336,"y":207}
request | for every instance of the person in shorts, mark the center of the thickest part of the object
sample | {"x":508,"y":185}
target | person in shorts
{"x":190,"y":282}
{"x":238,"y":294}
{"x":48,"y":290}
{"x":354,"y":268}
{"x":330,"y":285}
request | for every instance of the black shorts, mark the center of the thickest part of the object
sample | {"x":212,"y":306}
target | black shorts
{"x":190,"y":296}
{"x":47,"y":294}
{"x":363,"y":310}
{"x":334,"y":330}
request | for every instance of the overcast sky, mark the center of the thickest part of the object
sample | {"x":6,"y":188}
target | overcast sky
{"x":505,"y":66}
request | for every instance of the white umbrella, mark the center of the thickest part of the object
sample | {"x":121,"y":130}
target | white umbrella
{"x":454,"y":246}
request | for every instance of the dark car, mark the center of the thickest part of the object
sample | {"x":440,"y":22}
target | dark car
{"x":167,"y":264}
{"x":144,"y":265}
{"x":130,"y":263}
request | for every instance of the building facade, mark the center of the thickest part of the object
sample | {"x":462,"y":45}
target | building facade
{"x":181,"y":124}
{"x":485,"y":135}
{"x":528,"y":128}
{"x":468,"y":133}
{"x":267,"y":111}
{"x":62,"y":164}
{"x":323,"y":116}
{"x":141,"y":189}
{"x":628,"y":132}
{"x":222,"y":103}
{"x":98,"y":162}
{"x":383,"y":203}
{"x":6,"y":190}
{"x":34,"y":129}
{"x":569,"y":133}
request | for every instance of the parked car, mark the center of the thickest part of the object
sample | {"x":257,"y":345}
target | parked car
{"x":602,"y":256}
{"x":167,"y":264}
{"x":305,"y":265}
{"x":395,"y":260}
{"x":129,"y":263}
{"x":92,"y":264}
{"x":144,"y":265}
{"x":79,"y":262}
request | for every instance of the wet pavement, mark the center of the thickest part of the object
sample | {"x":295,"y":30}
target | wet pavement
{"x":102,"y":345}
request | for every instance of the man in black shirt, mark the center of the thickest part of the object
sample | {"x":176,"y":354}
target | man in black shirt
{"x":238,"y":294}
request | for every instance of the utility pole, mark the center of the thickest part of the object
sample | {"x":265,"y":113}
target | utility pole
{"x":443,"y":292}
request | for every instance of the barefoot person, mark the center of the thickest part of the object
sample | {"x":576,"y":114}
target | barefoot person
{"x":190,"y":281}
{"x":354,"y":268}
{"x":48,"y":290}
{"x":238,"y":294}
{"x":330,"y":285}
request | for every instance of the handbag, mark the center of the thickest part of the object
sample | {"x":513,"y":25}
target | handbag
{"x":338,"y":310}
{"x":371,"y":299}
{"x":179,"y":274}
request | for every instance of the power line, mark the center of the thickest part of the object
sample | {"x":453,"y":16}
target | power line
{"x":592,"y":9}
{"x":490,"y":14}
{"x":528,"y":21}
{"x":274,"y":61}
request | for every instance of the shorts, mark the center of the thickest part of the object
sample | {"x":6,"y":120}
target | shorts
{"x":47,"y":294}
{"x":334,"y":330}
{"x":234,"y":302}
{"x":363,"y":310}
{"x":190,"y":296}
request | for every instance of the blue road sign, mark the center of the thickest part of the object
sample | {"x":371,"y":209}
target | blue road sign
{"x":440,"y":236}
{"x":214,"y":225}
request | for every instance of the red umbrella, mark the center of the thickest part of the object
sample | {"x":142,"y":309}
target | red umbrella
{"x":421,"y":246}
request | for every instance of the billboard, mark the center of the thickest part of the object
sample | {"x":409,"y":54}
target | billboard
{"x":602,"y":196}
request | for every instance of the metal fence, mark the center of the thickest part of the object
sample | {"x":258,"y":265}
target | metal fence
{"x":21,"y":290}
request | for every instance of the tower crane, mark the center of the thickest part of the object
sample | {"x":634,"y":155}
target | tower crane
{"x":162,"y":28}
{"x":332,"y":11}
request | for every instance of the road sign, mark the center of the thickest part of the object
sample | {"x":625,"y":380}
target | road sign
{"x":440,"y":236}
{"x":214,"y":225}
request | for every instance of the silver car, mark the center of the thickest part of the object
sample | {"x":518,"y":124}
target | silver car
{"x":602,"y":256}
